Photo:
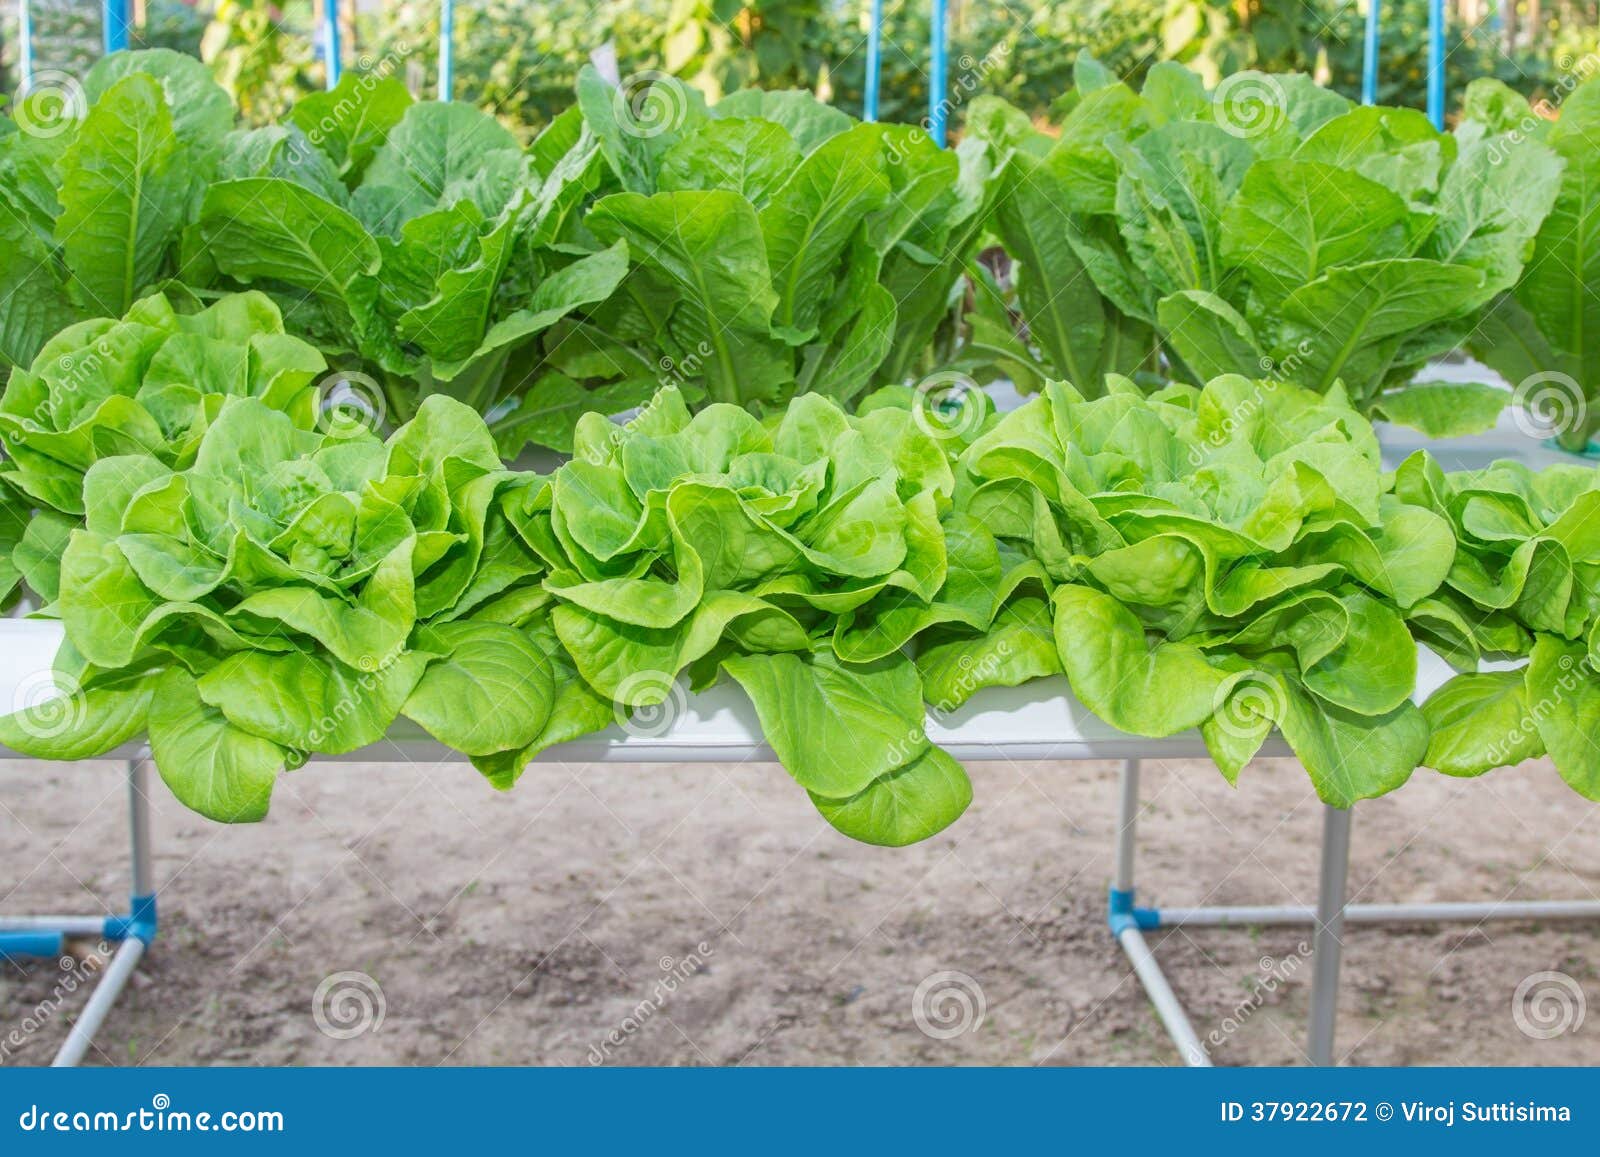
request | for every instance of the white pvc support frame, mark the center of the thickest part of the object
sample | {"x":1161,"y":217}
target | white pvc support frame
{"x":1329,"y":918}
{"x":131,"y":949}
{"x":101,"y":1001}
{"x":1168,"y":1007}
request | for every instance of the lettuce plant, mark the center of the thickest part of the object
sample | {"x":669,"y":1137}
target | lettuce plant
{"x":14,"y":518}
{"x":797,"y":556}
{"x":291,"y":592}
{"x":1225,"y":558}
{"x":1235,"y":559}
{"x":1231,"y":558}
{"x":416,"y":238}
{"x":1545,"y":334}
{"x":147,"y":384}
{"x":778,"y":248}
{"x":95,"y":212}
{"x":1268,"y":227}
{"x":1524,"y":586}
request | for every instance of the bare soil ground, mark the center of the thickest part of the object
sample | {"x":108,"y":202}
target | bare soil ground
{"x":705,"y":915}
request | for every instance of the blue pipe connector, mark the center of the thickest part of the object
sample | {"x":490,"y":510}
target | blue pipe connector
{"x":1122,"y":914}
{"x":140,"y":924}
{"x":41,"y":943}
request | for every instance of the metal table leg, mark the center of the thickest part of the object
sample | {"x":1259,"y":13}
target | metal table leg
{"x":1328,"y":940}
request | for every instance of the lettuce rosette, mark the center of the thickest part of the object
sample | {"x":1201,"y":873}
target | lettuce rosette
{"x":1271,"y":227}
{"x":418,"y":238}
{"x":776,"y":553}
{"x":149,"y":383}
{"x":293,"y":592}
{"x":1525,"y":584}
{"x":1227,"y":558}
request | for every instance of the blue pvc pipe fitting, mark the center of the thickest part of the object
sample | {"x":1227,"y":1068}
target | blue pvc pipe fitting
{"x":31,"y":944}
{"x":141,"y":922}
{"x":1122,"y":913}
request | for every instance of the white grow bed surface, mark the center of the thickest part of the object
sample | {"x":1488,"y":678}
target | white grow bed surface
{"x":1040,"y":720}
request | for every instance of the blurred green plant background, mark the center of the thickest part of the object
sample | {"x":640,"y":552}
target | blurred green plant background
{"x":521,"y":57}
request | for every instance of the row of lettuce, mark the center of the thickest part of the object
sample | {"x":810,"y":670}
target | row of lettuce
{"x":278,"y":586}
{"x":1197,"y":531}
{"x":769,"y":245}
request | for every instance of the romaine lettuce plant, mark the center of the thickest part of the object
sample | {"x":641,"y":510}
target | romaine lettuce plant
{"x":94,"y":212}
{"x":417,"y":238}
{"x":1545,"y":334}
{"x":778,"y":248}
{"x":1268,"y":227}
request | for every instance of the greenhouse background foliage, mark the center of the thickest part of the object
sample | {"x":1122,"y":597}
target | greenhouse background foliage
{"x":522,"y":60}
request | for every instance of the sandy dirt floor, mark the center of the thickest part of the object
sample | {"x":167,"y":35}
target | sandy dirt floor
{"x":705,"y":915}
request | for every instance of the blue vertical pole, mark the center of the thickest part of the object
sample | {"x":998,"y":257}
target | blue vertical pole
{"x":869,"y":99}
{"x":1369,"y":56}
{"x":447,"y":48}
{"x":25,"y":41}
{"x":330,"y":40}
{"x":114,"y":25}
{"x":1436,"y":26}
{"x":937,"y":70}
